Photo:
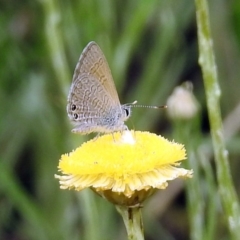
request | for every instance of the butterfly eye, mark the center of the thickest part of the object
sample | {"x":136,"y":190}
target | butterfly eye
{"x":75,"y":116}
{"x":127,"y":112}
{"x":73,"y":107}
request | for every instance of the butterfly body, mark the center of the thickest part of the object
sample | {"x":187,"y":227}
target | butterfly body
{"x":93,"y":103}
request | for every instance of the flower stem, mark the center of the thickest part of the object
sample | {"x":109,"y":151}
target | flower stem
{"x":209,"y":69}
{"x":132,"y":218}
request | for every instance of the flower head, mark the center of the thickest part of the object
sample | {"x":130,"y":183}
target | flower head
{"x":124,"y":168}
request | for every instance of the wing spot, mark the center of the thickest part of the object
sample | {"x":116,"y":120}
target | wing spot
{"x":73,"y":107}
{"x":75,"y":116}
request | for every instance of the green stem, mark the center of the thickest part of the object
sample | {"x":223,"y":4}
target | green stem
{"x":55,"y":43}
{"x":182,"y":131}
{"x":132,"y":218}
{"x":207,"y":61}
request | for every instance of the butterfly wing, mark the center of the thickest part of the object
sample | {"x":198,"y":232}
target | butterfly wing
{"x":93,"y":62}
{"x":90,"y":107}
{"x":93,"y":99}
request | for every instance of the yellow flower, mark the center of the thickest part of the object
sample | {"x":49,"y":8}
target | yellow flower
{"x":124,"y":168}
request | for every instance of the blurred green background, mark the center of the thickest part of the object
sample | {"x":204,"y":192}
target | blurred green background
{"x":151,"y":47}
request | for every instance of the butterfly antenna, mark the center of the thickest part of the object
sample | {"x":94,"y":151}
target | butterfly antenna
{"x":133,"y":104}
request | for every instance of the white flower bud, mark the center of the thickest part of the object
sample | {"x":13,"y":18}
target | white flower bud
{"x":182,"y":104}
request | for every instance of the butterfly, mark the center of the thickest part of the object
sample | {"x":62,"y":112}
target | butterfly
{"x":93,"y":104}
